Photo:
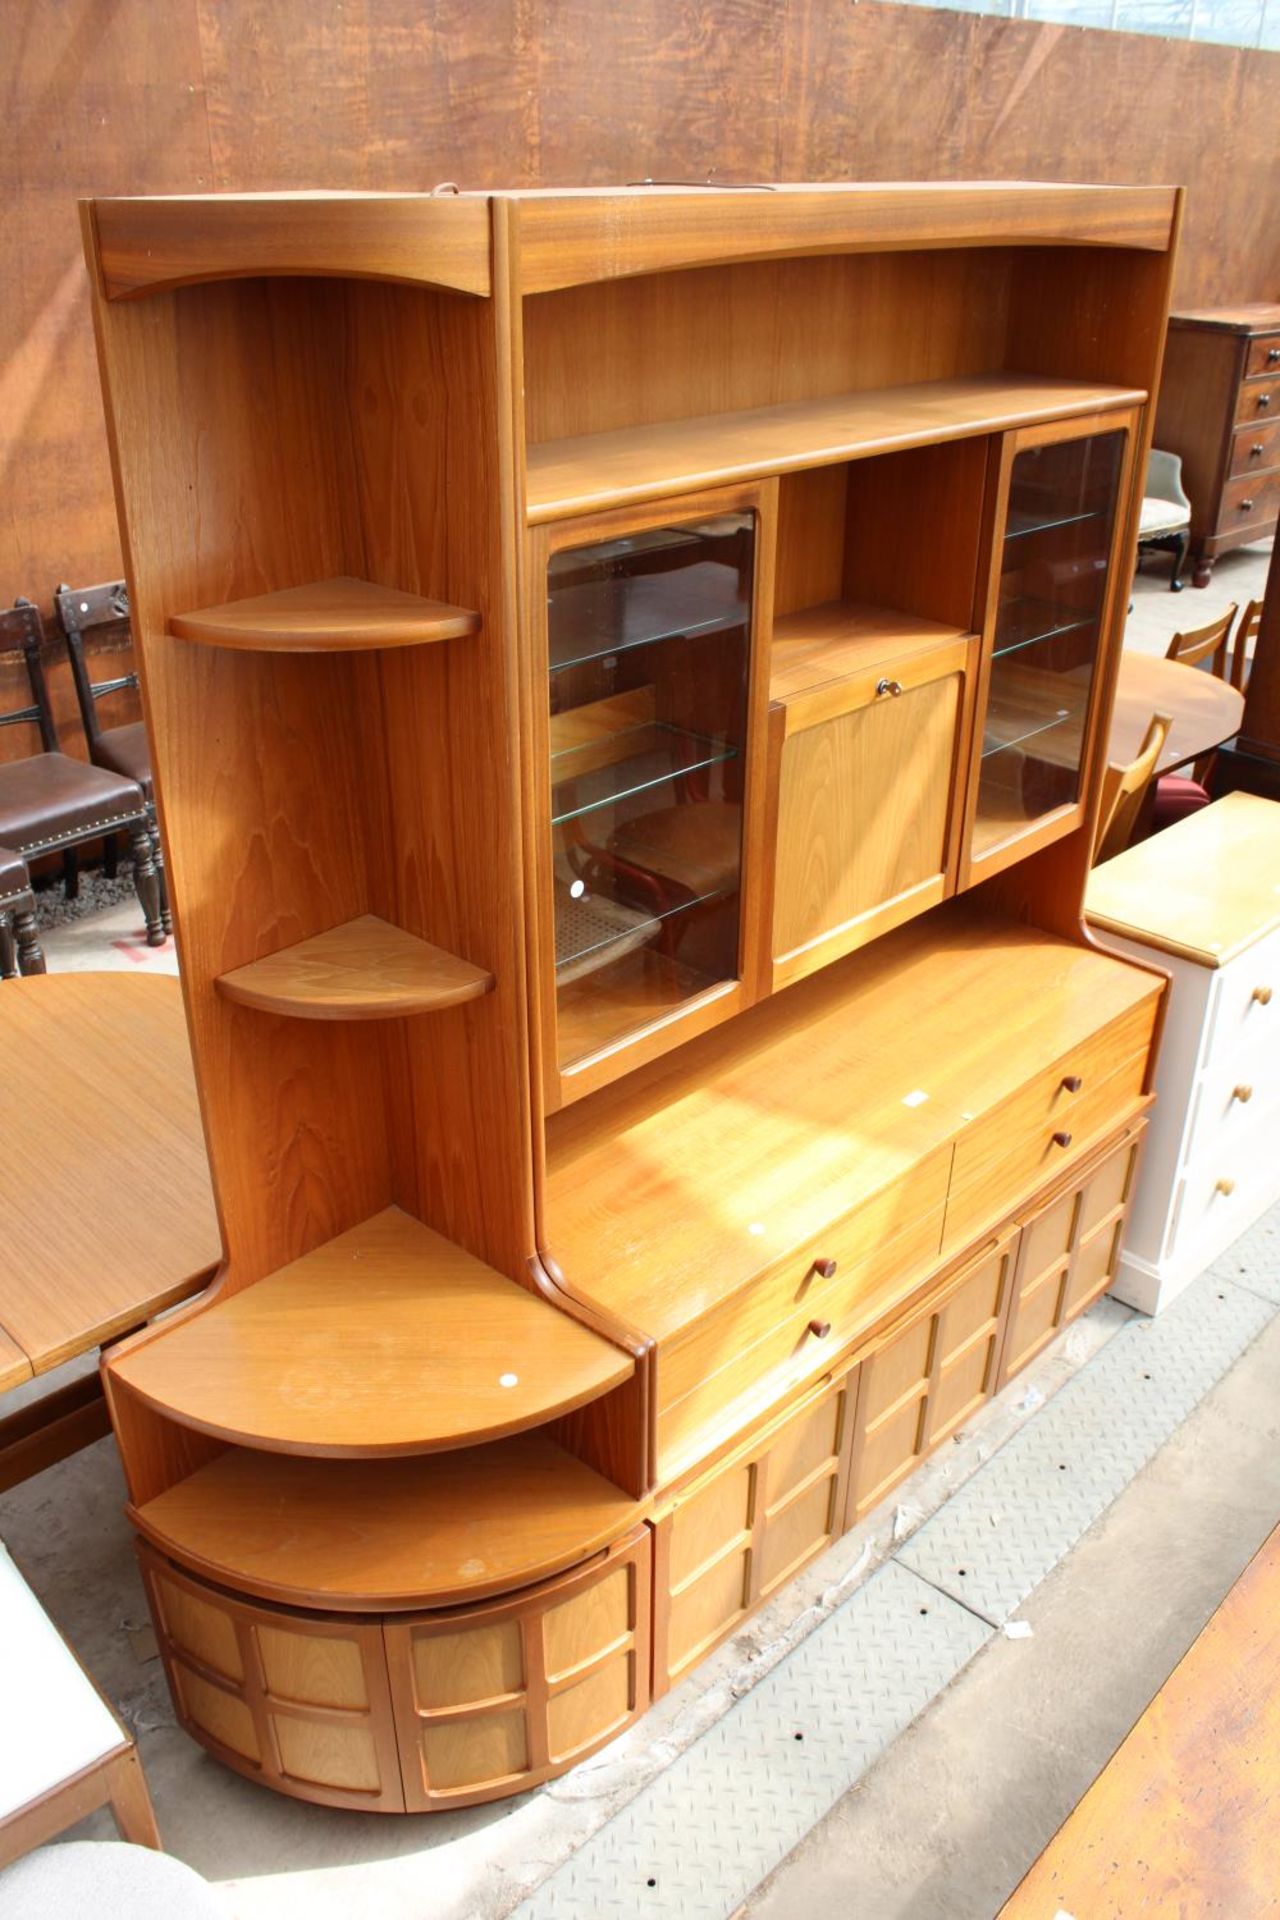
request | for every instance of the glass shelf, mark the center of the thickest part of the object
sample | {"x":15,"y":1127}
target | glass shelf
{"x":598,"y":618}
{"x":1021,"y":522}
{"x":1024,"y":622}
{"x":648,"y":756}
{"x":994,"y":738}
{"x":592,"y":931}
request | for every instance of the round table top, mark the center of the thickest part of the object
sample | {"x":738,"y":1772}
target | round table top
{"x":1205,"y":710}
{"x":104,"y":1185}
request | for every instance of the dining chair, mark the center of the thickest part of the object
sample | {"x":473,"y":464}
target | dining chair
{"x":1246,"y":636}
{"x":50,"y":803}
{"x":20,"y":949}
{"x":103,"y":611}
{"x":1211,"y":643}
{"x":1124,"y":790}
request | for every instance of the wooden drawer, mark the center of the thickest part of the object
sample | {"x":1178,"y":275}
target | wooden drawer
{"x":929,"y":1375}
{"x":1264,"y":355}
{"x":1069,"y":1250}
{"x":727,"y":1541}
{"x":1253,"y":449}
{"x":771,"y":1324}
{"x":1019,"y":1143}
{"x":1218,"y":1198}
{"x":1246,"y":1009}
{"x":1252,"y":498}
{"x":1258,"y":400}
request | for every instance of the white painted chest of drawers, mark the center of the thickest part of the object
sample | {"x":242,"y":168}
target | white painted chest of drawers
{"x":1203,"y":901}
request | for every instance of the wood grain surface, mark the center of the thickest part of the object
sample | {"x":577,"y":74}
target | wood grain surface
{"x":1182,"y":1819}
{"x":387,"y":1340}
{"x":333,"y":616}
{"x":104,"y":1186}
{"x":357,"y":1534}
{"x":185,"y":99}
{"x":365,"y":969}
{"x":1205,"y":710}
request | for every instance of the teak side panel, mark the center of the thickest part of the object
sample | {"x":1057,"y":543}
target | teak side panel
{"x":575,"y":237}
{"x":149,"y":244}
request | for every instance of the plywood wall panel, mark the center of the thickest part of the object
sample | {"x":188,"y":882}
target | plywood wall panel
{"x":115,"y":96}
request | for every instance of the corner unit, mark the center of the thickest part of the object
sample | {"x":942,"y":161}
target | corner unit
{"x":628,"y":676}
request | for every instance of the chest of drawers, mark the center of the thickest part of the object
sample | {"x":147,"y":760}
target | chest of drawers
{"x":1203,"y":899}
{"x":1220,"y":412}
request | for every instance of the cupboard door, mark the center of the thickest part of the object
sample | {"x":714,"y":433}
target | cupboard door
{"x":926,"y":1378}
{"x":491,"y":1699}
{"x":728,"y":1540}
{"x":867,"y":811}
{"x":645,"y":714}
{"x":1069,"y":1251}
{"x":1057,"y":529}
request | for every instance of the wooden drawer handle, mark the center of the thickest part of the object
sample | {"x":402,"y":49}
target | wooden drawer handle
{"x":825,"y":1269}
{"x":1242,"y":1094}
{"x":1062,"y":1139}
{"x":819,"y":1329}
{"x":1273,"y":354}
{"x":1263,"y":996}
{"x":1225,"y":1186}
{"x":1072,"y":1083}
{"x":1256,"y":450}
{"x":893,"y":687}
{"x":1264,"y":401}
{"x":1246,"y":506}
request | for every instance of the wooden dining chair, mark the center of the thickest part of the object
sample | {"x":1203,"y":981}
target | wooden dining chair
{"x":50,"y":803}
{"x":1246,"y":636}
{"x":1211,"y":643}
{"x":1123,"y":791}
{"x":20,"y":949}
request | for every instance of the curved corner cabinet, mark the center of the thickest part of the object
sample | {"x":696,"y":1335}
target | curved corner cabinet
{"x":628,"y":705}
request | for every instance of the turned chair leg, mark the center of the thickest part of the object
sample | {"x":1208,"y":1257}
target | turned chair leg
{"x":30,"y":952}
{"x":147,"y":882}
{"x":157,"y":854}
{"x":1176,"y":581}
{"x":8,"y":951}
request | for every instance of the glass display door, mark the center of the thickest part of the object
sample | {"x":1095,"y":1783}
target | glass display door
{"x":648,"y":656}
{"x":1054,"y":566}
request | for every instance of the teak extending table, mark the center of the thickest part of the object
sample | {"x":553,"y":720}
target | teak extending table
{"x":1205,"y":711}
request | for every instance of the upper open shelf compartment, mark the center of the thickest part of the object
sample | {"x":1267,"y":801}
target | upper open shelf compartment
{"x":388,"y":1340}
{"x":365,"y":969}
{"x":342,"y":615}
{"x":598,"y":470}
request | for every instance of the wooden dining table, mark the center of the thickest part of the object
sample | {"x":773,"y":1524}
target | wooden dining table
{"x":106,"y":1207}
{"x":1205,"y":711}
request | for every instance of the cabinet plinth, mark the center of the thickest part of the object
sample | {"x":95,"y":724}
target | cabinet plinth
{"x":387,"y":1340}
{"x":365,"y":969}
{"x":342,"y":615}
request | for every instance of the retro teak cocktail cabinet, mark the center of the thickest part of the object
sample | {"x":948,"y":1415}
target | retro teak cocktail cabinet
{"x":628,"y":676}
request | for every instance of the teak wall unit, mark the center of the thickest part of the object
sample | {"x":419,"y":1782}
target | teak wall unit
{"x":628,"y":677}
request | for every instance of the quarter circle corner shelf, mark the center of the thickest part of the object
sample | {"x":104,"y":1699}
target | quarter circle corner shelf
{"x":365,"y":969}
{"x":342,"y":615}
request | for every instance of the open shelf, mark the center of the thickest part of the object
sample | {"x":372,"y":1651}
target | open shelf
{"x":365,"y":969}
{"x":372,"y":1535}
{"x":629,"y":464}
{"x":644,"y":757}
{"x":329,"y":616}
{"x":818,"y":645}
{"x":388,"y":1340}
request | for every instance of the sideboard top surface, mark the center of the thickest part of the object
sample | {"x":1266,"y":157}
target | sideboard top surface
{"x":1205,"y":889}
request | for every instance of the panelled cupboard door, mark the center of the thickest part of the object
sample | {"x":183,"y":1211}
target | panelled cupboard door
{"x":492,"y":1699}
{"x":869,"y":789}
{"x":1069,"y":1251}
{"x":1052,"y":598}
{"x":727,"y":1541}
{"x":927,"y":1377}
{"x":296,"y":1701}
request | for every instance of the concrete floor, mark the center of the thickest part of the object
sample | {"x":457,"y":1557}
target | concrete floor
{"x":945,"y":1826}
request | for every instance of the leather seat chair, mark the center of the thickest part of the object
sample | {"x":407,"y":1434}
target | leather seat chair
{"x":20,"y":949}
{"x":50,"y":803}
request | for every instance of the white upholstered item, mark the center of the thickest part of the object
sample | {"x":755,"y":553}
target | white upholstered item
{"x":105,"y":1880}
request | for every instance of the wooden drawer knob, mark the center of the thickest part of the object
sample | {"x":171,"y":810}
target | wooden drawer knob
{"x":1246,"y":506}
{"x":1263,"y":996}
{"x":1242,"y":1094}
{"x":1273,"y":354}
{"x":1225,"y":1186}
{"x":1072,"y":1083}
{"x":819,"y":1329}
{"x":825,"y":1269}
{"x":1264,"y":401}
{"x":1062,"y":1139}
{"x":1256,"y":449}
